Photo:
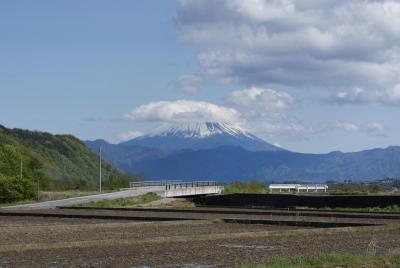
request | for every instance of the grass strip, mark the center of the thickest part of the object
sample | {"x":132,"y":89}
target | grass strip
{"x":332,"y":261}
{"x":389,"y":209}
{"x":123,"y":202}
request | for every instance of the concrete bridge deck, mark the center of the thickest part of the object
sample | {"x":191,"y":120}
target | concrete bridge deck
{"x":179,"y":188}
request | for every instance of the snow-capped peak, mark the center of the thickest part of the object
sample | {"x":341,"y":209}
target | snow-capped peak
{"x":202,"y":130}
{"x":200,"y":136}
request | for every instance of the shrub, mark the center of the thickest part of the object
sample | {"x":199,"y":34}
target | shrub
{"x":254,"y":187}
{"x":15,"y":189}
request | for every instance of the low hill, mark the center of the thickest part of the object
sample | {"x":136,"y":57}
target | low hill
{"x":59,"y":161}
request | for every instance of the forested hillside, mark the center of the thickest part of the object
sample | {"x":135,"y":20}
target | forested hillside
{"x":59,"y":162}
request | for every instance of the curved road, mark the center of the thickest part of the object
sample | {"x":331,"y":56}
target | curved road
{"x":90,"y":198}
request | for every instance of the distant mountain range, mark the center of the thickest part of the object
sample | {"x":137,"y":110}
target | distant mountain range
{"x":215,"y":151}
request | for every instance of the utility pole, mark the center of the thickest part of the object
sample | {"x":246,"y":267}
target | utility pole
{"x":38,"y":189}
{"x":20,"y":171}
{"x":100,"y":171}
{"x":63,"y":163}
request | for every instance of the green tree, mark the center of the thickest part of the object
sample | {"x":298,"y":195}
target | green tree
{"x":15,"y":189}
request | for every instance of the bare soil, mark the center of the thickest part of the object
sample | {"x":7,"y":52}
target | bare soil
{"x":211,"y":214}
{"x":121,"y":231}
{"x":207,"y":242}
{"x":16,"y":221}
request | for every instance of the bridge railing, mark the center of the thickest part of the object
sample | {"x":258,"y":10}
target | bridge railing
{"x":171,"y":184}
{"x":138,"y":184}
{"x":298,"y":187}
{"x":182,"y":185}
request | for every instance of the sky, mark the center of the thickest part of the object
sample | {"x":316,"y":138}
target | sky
{"x":308,"y":75}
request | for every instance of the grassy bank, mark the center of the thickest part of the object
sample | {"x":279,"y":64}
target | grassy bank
{"x":56,"y":195}
{"x":389,"y":209}
{"x":333,"y":261}
{"x":123,"y":202}
{"x":253,"y":187}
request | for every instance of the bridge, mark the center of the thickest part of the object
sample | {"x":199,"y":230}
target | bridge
{"x":162,"y":188}
{"x":298,"y":187}
{"x":179,"y":188}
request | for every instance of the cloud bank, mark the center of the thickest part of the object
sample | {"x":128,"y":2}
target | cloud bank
{"x":373,"y":128}
{"x":310,"y":43}
{"x":260,"y":101}
{"x":389,"y":96}
{"x":183,"y":111}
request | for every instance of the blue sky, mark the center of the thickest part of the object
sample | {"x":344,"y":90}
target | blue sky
{"x":311,"y":76}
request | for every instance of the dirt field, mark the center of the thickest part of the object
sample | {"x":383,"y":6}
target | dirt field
{"x":29,"y":241}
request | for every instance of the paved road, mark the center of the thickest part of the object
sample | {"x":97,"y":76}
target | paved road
{"x":89,"y":198}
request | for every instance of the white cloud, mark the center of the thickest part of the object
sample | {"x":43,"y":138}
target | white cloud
{"x":259,"y":100}
{"x":182,"y":111}
{"x":279,"y":126}
{"x":347,"y":126}
{"x":264,"y":110}
{"x":373,"y":128}
{"x":129,"y":135}
{"x":277,"y":144}
{"x":360,"y":96}
{"x":188,"y":83}
{"x":308,"y":43}
{"x":267,"y":125}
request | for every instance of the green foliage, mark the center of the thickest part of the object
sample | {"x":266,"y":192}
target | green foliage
{"x":393,"y":208}
{"x":349,"y":187}
{"x":117,"y":181}
{"x":45,"y":182}
{"x":56,"y":162}
{"x":390,"y":260}
{"x":253,"y":187}
{"x":15,"y":188}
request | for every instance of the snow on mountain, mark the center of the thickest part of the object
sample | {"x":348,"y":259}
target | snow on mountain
{"x":201,"y":130}
{"x":198,"y":136}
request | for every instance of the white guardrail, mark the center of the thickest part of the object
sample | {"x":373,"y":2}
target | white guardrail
{"x":298,"y":187}
{"x":140,"y":184}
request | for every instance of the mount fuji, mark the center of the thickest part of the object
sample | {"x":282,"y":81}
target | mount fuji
{"x":223,"y":152}
{"x":199,"y":136}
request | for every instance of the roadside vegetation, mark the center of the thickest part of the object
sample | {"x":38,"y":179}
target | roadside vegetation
{"x":389,"y":209}
{"x":253,"y":187}
{"x":56,"y":195}
{"x":347,"y":187}
{"x":52,"y":195}
{"x":380,"y":187}
{"x":123,"y":202}
{"x":180,"y":203}
{"x":333,"y":261}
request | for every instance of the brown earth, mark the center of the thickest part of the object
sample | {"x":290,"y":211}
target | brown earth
{"x":211,"y":214}
{"x":74,"y":242}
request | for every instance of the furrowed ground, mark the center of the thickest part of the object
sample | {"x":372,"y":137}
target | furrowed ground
{"x":182,"y":238}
